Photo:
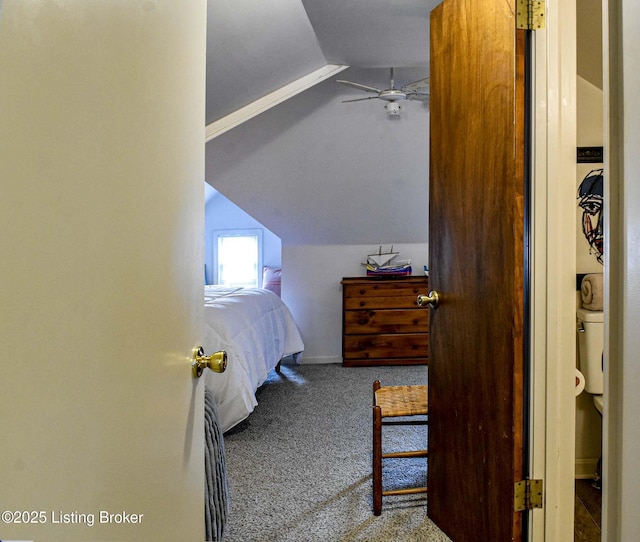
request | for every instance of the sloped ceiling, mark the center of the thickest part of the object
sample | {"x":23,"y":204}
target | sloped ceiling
{"x":255,"y":47}
{"x":314,"y":170}
{"x":318,"y":171}
{"x":372,"y":33}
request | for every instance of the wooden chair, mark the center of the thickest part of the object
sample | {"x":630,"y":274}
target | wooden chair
{"x":395,"y":402}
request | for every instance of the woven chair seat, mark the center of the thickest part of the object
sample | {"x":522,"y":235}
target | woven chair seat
{"x":402,"y":401}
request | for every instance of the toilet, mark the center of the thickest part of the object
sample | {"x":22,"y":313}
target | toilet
{"x":590,"y":348}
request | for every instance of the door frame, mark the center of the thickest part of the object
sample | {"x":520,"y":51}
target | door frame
{"x":621,"y":443}
{"x":553,"y":257}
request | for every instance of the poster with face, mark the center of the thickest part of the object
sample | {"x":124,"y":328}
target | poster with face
{"x":590,"y":199}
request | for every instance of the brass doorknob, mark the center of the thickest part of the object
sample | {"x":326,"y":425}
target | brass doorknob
{"x":432,"y":300}
{"x":217,"y":362}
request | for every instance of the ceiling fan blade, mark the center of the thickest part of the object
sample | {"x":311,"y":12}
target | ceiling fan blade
{"x":423,"y":97}
{"x":359,"y":86}
{"x":417,"y":85}
{"x":360,"y":99}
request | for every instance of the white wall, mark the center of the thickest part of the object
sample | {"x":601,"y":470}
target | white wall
{"x":316,"y":171}
{"x":311,"y":288}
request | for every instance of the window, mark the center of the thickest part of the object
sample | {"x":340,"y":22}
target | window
{"x":238,"y":257}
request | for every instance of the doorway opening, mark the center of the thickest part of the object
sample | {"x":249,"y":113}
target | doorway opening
{"x":589,"y":263}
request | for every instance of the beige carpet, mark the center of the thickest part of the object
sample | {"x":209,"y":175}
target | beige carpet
{"x":300,"y":466}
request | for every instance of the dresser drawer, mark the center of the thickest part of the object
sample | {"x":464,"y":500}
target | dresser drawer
{"x":381,"y":288}
{"x":386,"y":321}
{"x":386,"y":346}
{"x":378,"y":302}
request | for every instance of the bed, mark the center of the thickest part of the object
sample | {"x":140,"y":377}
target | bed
{"x":257,"y":330}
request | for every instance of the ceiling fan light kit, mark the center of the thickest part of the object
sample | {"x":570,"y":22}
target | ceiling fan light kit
{"x":392,"y":95}
{"x":393,"y":108}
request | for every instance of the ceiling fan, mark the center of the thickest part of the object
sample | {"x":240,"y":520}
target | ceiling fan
{"x":392,"y":95}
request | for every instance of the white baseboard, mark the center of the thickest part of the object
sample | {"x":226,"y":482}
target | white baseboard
{"x":586,"y":468}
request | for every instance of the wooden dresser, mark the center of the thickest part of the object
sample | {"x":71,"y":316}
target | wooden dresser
{"x":382,"y":323}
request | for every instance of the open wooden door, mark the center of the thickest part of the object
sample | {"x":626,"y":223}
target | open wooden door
{"x":477,"y":265}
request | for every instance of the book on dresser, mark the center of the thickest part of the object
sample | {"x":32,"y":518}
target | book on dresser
{"x":382,"y":323}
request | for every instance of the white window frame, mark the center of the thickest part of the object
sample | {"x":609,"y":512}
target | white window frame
{"x":248,"y":232}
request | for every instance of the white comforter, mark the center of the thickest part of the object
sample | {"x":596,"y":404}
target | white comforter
{"x":256,"y":330}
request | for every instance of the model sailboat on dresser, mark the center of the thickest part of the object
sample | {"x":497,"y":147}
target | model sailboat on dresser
{"x":384,"y":263}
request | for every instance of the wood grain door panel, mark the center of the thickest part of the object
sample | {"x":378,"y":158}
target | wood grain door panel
{"x":476,"y":231}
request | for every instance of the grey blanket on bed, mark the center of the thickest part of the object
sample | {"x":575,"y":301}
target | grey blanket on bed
{"x":216,"y":505}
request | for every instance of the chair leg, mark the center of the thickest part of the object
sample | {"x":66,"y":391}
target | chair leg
{"x":377,"y":461}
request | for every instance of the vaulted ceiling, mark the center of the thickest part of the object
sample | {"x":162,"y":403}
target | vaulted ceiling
{"x":315,"y":170}
{"x":255,"y":47}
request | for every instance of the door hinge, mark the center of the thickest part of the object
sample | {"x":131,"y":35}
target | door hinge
{"x":530,"y":14}
{"x":527,"y":495}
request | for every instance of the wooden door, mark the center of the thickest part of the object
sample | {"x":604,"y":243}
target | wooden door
{"x":101,"y":212}
{"x":476,"y":263}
